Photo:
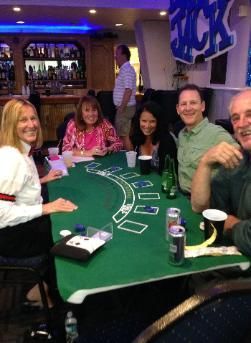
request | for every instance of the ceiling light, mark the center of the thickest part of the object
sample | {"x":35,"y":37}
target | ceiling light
{"x":20,"y":22}
{"x":162,"y":13}
{"x":119,"y":24}
{"x":93,"y":11}
{"x":16,"y":9}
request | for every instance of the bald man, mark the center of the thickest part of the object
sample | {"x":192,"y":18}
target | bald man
{"x":230,"y":189}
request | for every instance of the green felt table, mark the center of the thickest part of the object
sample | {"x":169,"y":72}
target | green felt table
{"x":131,"y":257}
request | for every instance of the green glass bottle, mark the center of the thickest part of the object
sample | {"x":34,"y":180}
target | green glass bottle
{"x":165,"y":174}
{"x":171,"y":181}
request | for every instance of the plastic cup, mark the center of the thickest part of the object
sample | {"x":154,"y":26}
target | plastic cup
{"x":217,"y":218}
{"x":53,"y":151}
{"x":145,"y":164}
{"x":131,"y":158}
{"x":67,"y":157}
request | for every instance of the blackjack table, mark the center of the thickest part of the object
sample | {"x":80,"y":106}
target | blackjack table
{"x":107,"y":192}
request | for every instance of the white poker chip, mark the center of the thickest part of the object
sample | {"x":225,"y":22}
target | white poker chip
{"x":64,"y":233}
{"x":202,"y":226}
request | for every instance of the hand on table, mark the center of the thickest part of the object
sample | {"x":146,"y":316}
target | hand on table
{"x":59,"y":205}
{"x":52,"y":175}
{"x":100,"y":151}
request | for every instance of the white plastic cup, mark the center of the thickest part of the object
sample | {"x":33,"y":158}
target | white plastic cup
{"x":131,"y":158}
{"x":53,"y":151}
{"x":67,"y":157}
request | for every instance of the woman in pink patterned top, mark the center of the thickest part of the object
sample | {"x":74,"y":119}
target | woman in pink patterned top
{"x":89,"y":133}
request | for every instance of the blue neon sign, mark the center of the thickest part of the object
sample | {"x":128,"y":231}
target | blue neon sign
{"x":46,"y":28}
{"x":199,"y":27}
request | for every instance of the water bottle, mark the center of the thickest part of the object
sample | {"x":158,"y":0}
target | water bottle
{"x":71,"y":328}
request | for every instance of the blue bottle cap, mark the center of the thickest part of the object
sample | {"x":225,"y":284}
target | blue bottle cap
{"x":183,"y":222}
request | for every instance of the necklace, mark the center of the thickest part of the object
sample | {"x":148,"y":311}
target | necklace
{"x":82,"y":136}
{"x":90,"y":130}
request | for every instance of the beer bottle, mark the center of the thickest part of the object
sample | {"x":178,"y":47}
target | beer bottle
{"x":165,"y":173}
{"x":171,"y":181}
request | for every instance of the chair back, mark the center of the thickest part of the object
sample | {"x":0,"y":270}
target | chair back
{"x":35,"y":99}
{"x":105,"y":99}
{"x":218,"y":314}
{"x":167,"y":99}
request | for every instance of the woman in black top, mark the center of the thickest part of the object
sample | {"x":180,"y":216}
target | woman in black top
{"x":149,"y":137}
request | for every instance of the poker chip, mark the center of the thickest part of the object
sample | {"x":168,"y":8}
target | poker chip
{"x":80,"y":228}
{"x":64,"y":233}
{"x":183,"y":222}
{"x":202,"y":226}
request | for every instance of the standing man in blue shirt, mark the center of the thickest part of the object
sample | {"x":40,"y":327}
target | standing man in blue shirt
{"x":124,"y":94}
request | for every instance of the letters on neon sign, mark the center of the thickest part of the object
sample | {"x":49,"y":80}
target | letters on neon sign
{"x":200,"y":27}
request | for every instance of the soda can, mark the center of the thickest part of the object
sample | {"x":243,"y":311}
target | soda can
{"x":177,"y":237}
{"x":172,"y":218}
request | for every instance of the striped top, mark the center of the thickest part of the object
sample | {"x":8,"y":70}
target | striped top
{"x":125,"y":79}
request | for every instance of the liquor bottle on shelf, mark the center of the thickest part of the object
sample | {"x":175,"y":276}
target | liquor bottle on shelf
{"x":66,"y":51}
{"x":49,"y":51}
{"x":41,"y":54}
{"x":31,"y":51}
{"x":56,"y":51}
{"x":78,"y":53}
{"x":45,"y":51}
{"x":72,"y":54}
{"x":39,"y":73}
{"x":61,"y":53}
{"x":44,"y":73}
{"x":36,"y":51}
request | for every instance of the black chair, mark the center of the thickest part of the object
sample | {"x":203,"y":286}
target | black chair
{"x":147,"y":95}
{"x":105,"y":100}
{"x":218,"y":314}
{"x":61,"y":129}
{"x":35,"y":266}
{"x":167,"y":99}
{"x":207,"y":94}
{"x":226,"y":124}
{"x":35,"y":99}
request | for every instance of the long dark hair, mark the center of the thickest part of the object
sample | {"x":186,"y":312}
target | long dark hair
{"x":137,"y":137}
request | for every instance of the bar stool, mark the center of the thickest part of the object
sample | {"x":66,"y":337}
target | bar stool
{"x":36,"y":265}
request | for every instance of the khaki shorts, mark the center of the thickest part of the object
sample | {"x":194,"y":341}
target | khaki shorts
{"x":123,"y":121}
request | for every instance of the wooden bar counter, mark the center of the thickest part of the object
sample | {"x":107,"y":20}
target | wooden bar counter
{"x":53,"y":109}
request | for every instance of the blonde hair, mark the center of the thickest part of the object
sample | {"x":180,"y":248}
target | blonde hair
{"x":12,"y":111}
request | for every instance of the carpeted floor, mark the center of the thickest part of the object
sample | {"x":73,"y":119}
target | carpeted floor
{"x":109,"y":317}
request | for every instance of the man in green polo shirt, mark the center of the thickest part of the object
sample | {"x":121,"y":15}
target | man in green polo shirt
{"x":197,"y":136}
